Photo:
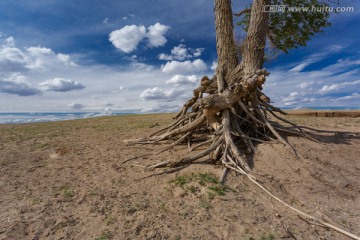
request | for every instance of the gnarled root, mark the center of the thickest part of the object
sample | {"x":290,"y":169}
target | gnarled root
{"x":229,"y":121}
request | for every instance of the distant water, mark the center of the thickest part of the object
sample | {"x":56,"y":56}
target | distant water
{"x":31,"y":117}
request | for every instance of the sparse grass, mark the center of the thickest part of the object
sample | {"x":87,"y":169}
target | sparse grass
{"x":36,"y":201}
{"x":204,"y":180}
{"x":68,"y":191}
{"x":110,"y":220}
{"x":193,"y":189}
{"x":219,"y":189}
{"x":131,"y":210}
{"x":343,"y":221}
{"x":104,"y":236}
{"x":205,"y":204}
{"x":180,"y":181}
{"x":211,"y":195}
{"x":270,"y":236}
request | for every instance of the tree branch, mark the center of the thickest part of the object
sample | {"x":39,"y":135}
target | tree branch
{"x":246,"y":10}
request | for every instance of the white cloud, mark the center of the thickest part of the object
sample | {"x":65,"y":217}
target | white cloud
{"x":10,"y":42}
{"x":61,"y":85}
{"x":177,"y":53}
{"x":13,"y":59}
{"x":127,"y":38}
{"x":300,"y":67}
{"x":291,"y":97}
{"x":20,"y":89}
{"x":135,"y":64}
{"x":176,"y":67}
{"x":39,"y":51}
{"x":349,"y":97}
{"x":182,"y":80}
{"x":305,"y":84}
{"x":155,"y":35}
{"x":17,"y":84}
{"x":127,"y":16}
{"x":315,"y":88}
{"x":342,"y":64}
{"x":214,"y":65}
{"x":335,"y":48}
{"x":181,"y":52}
{"x":155,"y":93}
{"x":198,"y":51}
{"x":76,"y":106}
{"x":159,"y":94}
{"x":162,"y":108}
{"x":65,"y":58}
{"x":337,"y":86}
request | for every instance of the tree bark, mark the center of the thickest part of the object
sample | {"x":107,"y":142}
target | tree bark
{"x":254,"y":46}
{"x":225,"y":42}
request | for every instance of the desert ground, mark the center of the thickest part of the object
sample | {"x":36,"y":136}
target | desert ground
{"x":78,"y":180}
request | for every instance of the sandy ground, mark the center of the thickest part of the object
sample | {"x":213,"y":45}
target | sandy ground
{"x":67,"y":180}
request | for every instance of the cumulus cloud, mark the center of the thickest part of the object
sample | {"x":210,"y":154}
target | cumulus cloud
{"x":17,"y":84}
{"x":61,"y":85}
{"x":20,"y":89}
{"x":181,"y":52}
{"x":155,"y":93}
{"x":128,"y":38}
{"x":65,"y":58}
{"x":182,"y":80}
{"x":13,"y":59}
{"x":76,"y":106}
{"x":177,"y":53}
{"x":10,"y":42}
{"x":39,"y":51}
{"x":155,"y":35}
{"x":176,"y":67}
{"x":159,"y":94}
{"x":198,"y":51}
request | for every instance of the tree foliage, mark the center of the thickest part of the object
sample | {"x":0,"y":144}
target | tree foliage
{"x":293,"y":26}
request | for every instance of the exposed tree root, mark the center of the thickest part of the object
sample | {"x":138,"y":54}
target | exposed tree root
{"x":229,"y":122}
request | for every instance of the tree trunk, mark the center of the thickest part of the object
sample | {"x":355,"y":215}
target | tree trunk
{"x":253,"y":54}
{"x":225,"y":42}
{"x":234,"y":112}
{"x":234,"y":116}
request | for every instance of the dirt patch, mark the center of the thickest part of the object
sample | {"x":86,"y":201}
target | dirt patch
{"x":67,"y":180}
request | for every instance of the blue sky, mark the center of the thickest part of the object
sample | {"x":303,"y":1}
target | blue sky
{"x":147,"y":56}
